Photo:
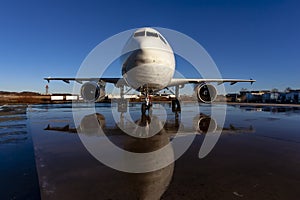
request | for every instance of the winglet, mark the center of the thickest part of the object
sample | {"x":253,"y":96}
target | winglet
{"x":47,"y":79}
{"x":48,"y":127}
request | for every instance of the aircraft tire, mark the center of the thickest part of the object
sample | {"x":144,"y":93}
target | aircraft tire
{"x":143,"y":108}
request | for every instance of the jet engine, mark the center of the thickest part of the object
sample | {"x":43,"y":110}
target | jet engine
{"x":91,"y":124}
{"x":206,"y":93}
{"x":92,"y":91}
{"x":205,"y":124}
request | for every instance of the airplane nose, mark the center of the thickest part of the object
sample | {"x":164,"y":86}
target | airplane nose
{"x":137,"y":58}
{"x":142,"y":57}
{"x":146,"y":44}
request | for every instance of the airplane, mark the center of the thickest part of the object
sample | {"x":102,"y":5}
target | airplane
{"x":148,"y":69}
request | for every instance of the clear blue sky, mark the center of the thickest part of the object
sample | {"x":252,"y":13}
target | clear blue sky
{"x":258,"y":38}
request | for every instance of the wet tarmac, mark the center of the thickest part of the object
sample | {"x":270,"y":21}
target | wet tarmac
{"x":18,"y":175}
{"x":256,"y":157}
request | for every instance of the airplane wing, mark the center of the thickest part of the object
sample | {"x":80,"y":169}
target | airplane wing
{"x":119,"y":81}
{"x":174,"y":81}
{"x":182,"y":81}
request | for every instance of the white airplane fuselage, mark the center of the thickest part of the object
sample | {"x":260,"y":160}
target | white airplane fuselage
{"x":150,"y":65}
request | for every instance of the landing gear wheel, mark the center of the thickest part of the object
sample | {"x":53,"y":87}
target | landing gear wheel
{"x":144,"y":108}
{"x":176,"y":105}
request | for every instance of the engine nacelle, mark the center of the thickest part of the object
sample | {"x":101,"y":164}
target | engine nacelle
{"x":91,"y":124}
{"x":206,"y":93}
{"x":92,"y":91}
{"x":205,"y":124}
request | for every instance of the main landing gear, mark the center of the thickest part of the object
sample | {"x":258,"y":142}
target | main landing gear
{"x":176,"y":108}
{"x":146,"y":105}
{"x":176,"y":105}
{"x":122,"y":102}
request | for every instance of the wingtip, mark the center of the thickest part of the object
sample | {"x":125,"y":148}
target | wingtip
{"x":252,"y":81}
{"x":47,"y":79}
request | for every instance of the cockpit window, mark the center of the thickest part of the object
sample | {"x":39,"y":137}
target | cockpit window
{"x":151,"y":34}
{"x":162,"y":39}
{"x":138,"y":34}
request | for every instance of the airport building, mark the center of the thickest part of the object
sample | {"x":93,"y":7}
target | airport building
{"x":293,"y":96}
{"x":265,"y":96}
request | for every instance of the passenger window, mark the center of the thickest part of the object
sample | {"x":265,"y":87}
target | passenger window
{"x":139,"y":34}
{"x":162,"y":39}
{"x":151,"y":34}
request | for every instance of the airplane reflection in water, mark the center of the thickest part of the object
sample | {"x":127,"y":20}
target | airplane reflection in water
{"x":150,"y":185}
{"x":202,"y":124}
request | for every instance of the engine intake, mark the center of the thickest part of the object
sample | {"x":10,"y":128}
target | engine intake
{"x":92,"y":91}
{"x":206,"y":93}
{"x":205,"y":124}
